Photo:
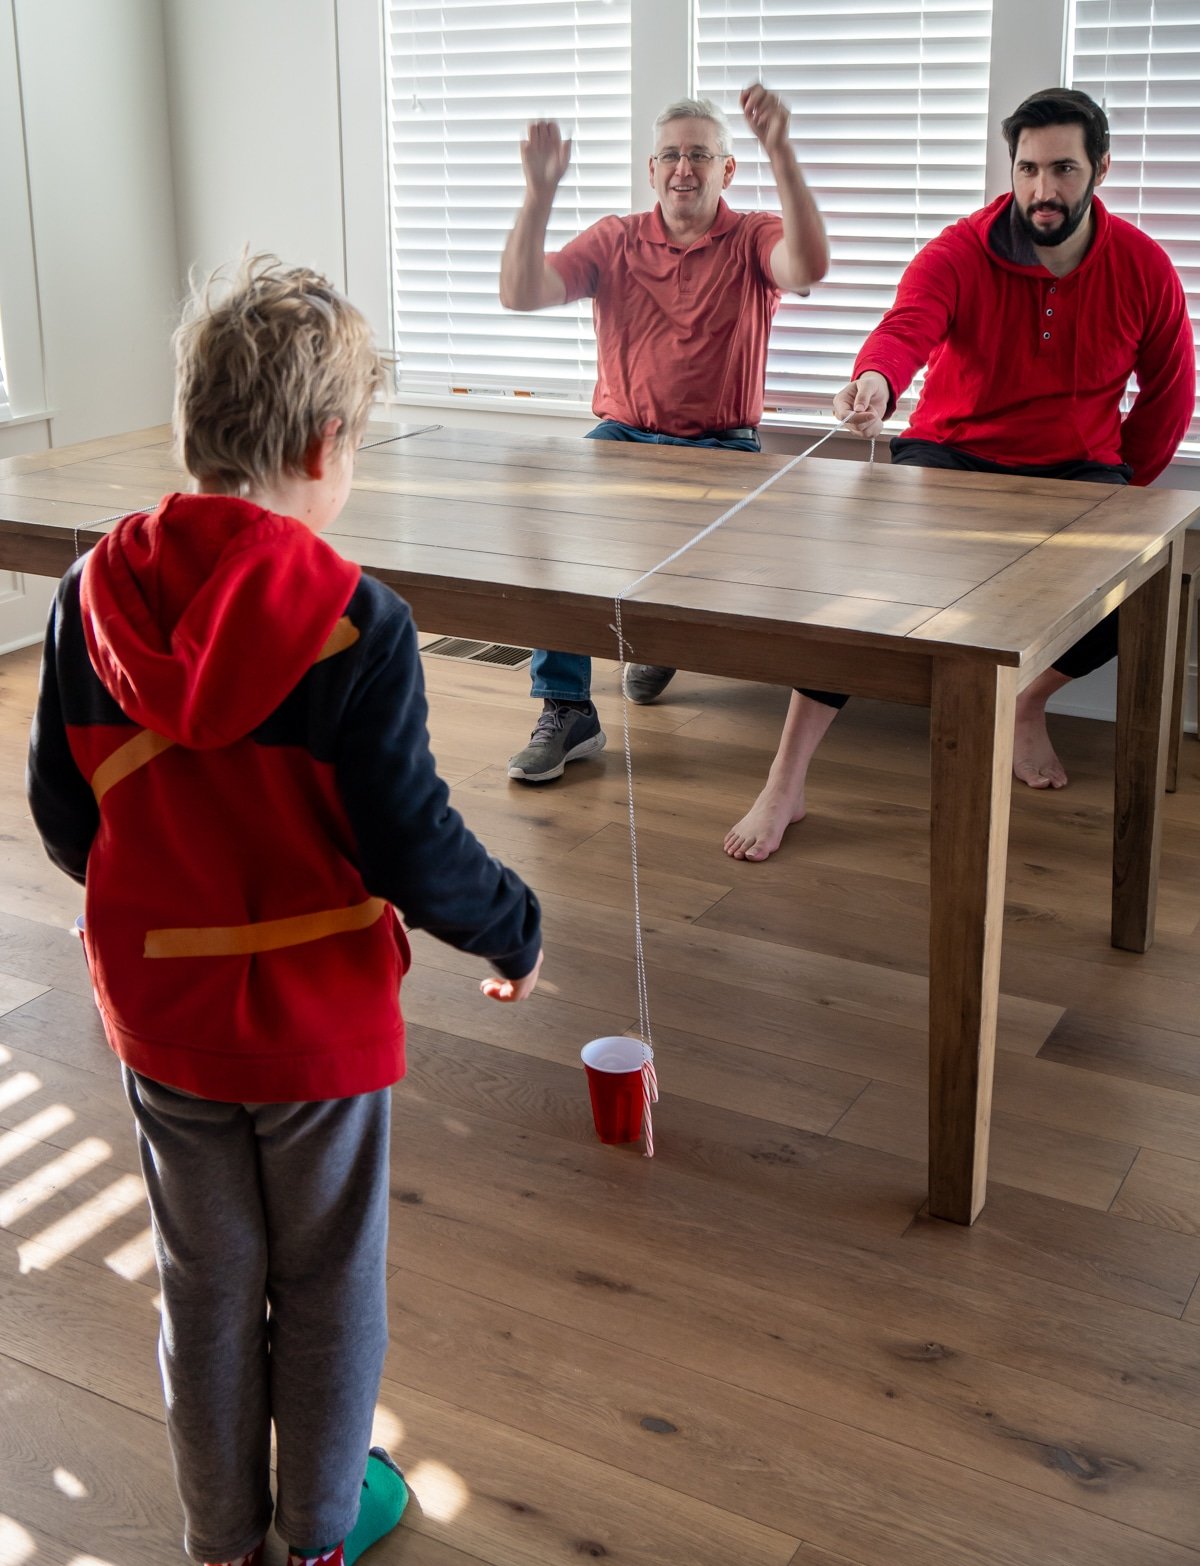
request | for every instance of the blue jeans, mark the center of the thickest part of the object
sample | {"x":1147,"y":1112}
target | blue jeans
{"x":727,"y":440}
{"x":564,"y":676}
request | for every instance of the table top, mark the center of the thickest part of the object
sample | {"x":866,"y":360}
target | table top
{"x":838,"y":552}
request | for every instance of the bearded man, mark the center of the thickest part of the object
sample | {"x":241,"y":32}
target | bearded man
{"x":1031,"y":316}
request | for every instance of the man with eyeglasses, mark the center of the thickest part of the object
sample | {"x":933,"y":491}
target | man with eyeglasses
{"x":683,"y":299}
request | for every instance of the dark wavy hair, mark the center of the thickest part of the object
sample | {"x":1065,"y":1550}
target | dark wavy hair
{"x":1060,"y":106}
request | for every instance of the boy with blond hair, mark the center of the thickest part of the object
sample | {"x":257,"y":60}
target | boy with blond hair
{"x":230,"y":753}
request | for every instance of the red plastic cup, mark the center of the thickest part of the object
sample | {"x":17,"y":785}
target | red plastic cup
{"x":614,"y":1075}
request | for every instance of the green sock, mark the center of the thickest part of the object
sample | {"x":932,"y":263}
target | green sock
{"x":384,"y":1497}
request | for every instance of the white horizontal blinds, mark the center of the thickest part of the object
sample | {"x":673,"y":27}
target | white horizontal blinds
{"x":465,"y":78}
{"x":889,"y":109}
{"x":1141,"y":60}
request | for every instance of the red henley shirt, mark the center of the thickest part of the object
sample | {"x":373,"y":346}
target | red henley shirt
{"x":1025,"y":367}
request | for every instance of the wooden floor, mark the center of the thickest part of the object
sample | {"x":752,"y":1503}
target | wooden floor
{"x":754,"y":1350}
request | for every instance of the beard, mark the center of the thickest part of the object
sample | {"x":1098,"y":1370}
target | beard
{"x":1070,"y":219}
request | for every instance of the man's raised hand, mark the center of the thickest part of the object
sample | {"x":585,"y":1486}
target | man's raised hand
{"x":767,"y":116}
{"x":862,"y":406}
{"x":544,"y":157}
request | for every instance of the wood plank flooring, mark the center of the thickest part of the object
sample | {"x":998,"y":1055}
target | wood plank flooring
{"x":755,"y":1350}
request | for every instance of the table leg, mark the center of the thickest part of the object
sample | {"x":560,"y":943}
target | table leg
{"x":971,"y":749}
{"x":1179,"y":684}
{"x":1145,"y":668}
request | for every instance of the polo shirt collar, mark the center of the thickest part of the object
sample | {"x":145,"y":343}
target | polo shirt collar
{"x":654,"y":233}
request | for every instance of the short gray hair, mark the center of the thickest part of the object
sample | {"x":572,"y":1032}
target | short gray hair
{"x":698,"y":109}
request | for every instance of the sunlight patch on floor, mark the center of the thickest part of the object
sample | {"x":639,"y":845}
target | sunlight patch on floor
{"x":135,"y":1258}
{"x":47,"y":1181}
{"x":70,"y":1486}
{"x":387,"y":1430}
{"x":44,"y":1249}
{"x":38,"y":1128}
{"x":13,"y":1089}
{"x":441,"y":1492}
{"x":16,"y":1546}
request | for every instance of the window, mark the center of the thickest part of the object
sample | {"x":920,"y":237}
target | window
{"x":890,"y":114}
{"x":890,"y":122}
{"x":1141,"y":60}
{"x":464,"y":78}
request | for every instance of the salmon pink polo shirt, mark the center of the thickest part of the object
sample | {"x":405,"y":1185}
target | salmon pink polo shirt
{"x":681,"y":333}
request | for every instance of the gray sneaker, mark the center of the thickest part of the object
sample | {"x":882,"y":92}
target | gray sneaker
{"x":562,"y":734}
{"x":644,"y":681}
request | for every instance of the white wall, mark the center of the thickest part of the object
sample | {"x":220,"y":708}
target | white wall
{"x":253,"y":91}
{"x":91,"y":276}
{"x":93,"y":93}
{"x":21,"y":327}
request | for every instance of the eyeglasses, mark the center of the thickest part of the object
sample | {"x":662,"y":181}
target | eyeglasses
{"x":698,"y":159}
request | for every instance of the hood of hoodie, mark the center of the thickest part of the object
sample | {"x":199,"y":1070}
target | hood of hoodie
{"x":202,"y":615}
{"x":980,"y":225}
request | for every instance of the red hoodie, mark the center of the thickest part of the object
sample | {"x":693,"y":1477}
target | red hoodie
{"x":230,"y":749}
{"x":1028,"y":368}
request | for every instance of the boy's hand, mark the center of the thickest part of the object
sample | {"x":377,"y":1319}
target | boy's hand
{"x":512,"y":989}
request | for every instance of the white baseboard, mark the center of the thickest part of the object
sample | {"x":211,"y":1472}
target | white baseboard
{"x":18,"y":642}
{"x":1095,"y":696}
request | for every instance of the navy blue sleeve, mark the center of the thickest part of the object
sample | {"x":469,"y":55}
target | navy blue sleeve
{"x":414,"y":848}
{"x":63,"y":806}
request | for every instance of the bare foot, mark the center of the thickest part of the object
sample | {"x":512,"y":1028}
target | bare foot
{"x":760,"y":831}
{"x":1034,"y":760}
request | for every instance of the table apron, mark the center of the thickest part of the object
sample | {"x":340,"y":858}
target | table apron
{"x":744,"y":652}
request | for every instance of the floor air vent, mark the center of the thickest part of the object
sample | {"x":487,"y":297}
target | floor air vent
{"x":478,"y":652}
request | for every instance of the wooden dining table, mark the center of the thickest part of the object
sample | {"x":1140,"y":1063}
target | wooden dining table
{"x":946,"y":590}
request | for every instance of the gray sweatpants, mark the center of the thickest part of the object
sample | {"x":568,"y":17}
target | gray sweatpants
{"x":270,"y":1228}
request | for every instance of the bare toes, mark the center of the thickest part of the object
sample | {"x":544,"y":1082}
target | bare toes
{"x":1025,"y":772}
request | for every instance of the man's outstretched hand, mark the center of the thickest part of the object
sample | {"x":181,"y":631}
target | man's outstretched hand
{"x":512,"y":989}
{"x":544,"y":157}
{"x":862,"y":406}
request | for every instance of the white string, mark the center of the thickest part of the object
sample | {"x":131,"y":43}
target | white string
{"x":424,"y":429}
{"x":731,"y":513}
{"x":118,"y":516}
{"x":649,"y":1078}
